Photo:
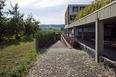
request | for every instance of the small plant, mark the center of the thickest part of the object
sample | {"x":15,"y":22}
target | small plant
{"x":73,"y":42}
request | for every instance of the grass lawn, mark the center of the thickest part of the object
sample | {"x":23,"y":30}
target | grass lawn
{"x":12,"y":53}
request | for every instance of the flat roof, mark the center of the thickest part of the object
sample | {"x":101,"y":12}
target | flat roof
{"x":78,"y":4}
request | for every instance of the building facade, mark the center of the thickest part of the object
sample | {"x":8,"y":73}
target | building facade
{"x":72,"y":11}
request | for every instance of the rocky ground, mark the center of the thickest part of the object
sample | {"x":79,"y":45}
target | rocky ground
{"x":60,"y":61}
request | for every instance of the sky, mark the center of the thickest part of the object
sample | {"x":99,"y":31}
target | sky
{"x":46,"y":11}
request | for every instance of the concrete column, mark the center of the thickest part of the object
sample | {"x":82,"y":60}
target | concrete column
{"x":78,"y":9}
{"x":65,"y":31}
{"x":82,"y":33}
{"x":68,"y":32}
{"x":99,"y":39}
{"x":74,"y":32}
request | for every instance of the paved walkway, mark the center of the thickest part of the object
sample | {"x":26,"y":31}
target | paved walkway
{"x":60,"y":61}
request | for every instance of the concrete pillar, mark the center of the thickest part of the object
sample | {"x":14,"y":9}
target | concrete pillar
{"x":82,"y":33}
{"x":99,"y":39}
{"x":65,"y":31}
{"x":78,"y":9}
{"x":68,"y":32}
{"x":74,"y":32}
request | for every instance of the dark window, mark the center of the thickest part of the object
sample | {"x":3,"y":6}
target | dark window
{"x":81,"y":8}
{"x":72,"y":17}
{"x":75,"y":9}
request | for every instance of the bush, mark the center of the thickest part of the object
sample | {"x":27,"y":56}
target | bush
{"x":95,"y":5}
{"x":73,"y":42}
{"x":42,"y":37}
{"x":58,"y":32}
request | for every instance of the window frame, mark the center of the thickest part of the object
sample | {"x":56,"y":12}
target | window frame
{"x":75,"y":8}
{"x":82,"y":7}
{"x":72,"y":16}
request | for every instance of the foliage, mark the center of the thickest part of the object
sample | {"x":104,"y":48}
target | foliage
{"x":15,"y":26}
{"x":15,"y":23}
{"x":59,"y":32}
{"x":42,"y":37}
{"x":31,"y":26}
{"x":73,"y":42}
{"x":95,"y":5}
{"x":2,"y":19}
{"x":23,"y":65}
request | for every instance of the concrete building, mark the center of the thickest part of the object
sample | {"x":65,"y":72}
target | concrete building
{"x":98,"y":19}
{"x":72,"y":11}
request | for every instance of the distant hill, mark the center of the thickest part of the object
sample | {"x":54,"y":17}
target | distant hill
{"x":61,"y":25}
{"x":52,"y":27}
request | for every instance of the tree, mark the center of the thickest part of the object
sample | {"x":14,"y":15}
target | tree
{"x":31,"y":25}
{"x":15,"y":23}
{"x":2,"y":19}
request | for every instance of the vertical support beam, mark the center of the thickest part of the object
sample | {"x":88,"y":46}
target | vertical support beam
{"x":82,"y":33}
{"x":74,"y":32}
{"x":68,"y":32}
{"x":99,"y":39}
{"x":65,"y":31}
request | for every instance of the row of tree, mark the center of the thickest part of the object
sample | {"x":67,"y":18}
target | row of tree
{"x":13,"y":25}
{"x":95,"y":5}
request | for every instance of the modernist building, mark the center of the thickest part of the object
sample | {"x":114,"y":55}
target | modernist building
{"x":72,"y":11}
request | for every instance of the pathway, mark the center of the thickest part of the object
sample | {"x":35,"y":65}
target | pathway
{"x":60,"y":61}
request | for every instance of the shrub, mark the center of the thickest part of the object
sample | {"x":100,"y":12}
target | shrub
{"x":95,"y":5}
{"x":73,"y":42}
{"x":42,"y":37}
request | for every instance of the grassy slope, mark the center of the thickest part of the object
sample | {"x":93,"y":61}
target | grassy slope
{"x":12,"y":54}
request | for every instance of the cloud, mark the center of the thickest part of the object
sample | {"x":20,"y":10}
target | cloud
{"x":22,"y":3}
{"x":48,"y":3}
{"x":51,"y":18}
{"x":47,"y":11}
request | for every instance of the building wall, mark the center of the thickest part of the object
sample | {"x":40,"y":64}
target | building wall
{"x":66,"y":17}
{"x":69,"y":12}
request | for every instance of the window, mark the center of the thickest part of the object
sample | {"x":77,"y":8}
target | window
{"x":81,"y":8}
{"x":75,"y":9}
{"x":72,"y":17}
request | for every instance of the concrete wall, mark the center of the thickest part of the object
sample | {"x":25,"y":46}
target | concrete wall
{"x":66,"y":17}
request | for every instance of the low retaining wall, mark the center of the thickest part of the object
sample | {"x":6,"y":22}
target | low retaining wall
{"x":65,"y":42}
{"x":89,"y":50}
{"x":108,"y":63}
{"x":102,"y":59}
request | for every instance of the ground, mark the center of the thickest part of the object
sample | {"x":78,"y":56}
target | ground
{"x":60,"y":61}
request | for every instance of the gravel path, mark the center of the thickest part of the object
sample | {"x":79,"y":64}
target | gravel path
{"x":60,"y":61}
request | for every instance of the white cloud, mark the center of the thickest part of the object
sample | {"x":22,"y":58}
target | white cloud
{"x":54,"y":16}
{"x":51,"y":18}
{"x":22,"y":3}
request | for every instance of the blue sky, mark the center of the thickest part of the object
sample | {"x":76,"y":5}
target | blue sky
{"x":46,"y":11}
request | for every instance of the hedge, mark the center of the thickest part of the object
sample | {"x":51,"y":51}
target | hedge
{"x":42,"y":37}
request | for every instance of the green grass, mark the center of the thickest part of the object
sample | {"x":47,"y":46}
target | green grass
{"x":23,"y":66}
{"x":12,"y":53}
